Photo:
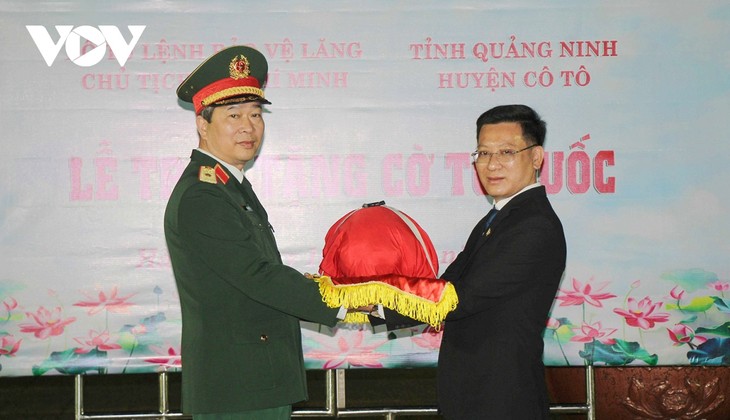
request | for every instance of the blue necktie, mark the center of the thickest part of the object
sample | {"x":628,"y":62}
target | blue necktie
{"x":490,"y":216}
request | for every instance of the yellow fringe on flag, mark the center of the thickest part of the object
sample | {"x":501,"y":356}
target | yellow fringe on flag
{"x":375,"y":292}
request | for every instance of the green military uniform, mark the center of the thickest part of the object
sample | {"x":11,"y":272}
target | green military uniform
{"x":241,"y":306}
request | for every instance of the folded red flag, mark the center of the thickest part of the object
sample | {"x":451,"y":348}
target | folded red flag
{"x":380,"y":255}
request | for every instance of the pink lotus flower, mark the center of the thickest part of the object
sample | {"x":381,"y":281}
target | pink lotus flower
{"x":47,"y":323}
{"x":350,"y":351}
{"x":681,"y":334}
{"x":720,"y":286}
{"x":676,"y":292}
{"x":584,"y":294}
{"x":593,"y":332}
{"x":96,"y":340}
{"x":684,"y":334}
{"x":111,"y":303}
{"x":173,"y":358}
{"x":641,"y":314}
{"x":10,"y":304}
{"x":429,"y":338}
{"x":139,"y":329}
{"x":553,"y":324}
{"x":9,"y":345}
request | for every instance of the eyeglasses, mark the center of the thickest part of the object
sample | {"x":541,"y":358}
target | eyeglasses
{"x":502,"y":156}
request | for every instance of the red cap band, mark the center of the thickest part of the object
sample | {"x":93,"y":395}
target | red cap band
{"x":224,"y":89}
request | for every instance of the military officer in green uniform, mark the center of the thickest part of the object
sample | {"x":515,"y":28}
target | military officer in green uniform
{"x":241,"y":306}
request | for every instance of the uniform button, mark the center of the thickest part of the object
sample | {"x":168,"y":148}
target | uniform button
{"x":264,"y":337}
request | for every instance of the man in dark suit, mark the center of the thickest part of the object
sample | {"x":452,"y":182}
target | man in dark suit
{"x":490,"y":361}
{"x":241,"y":306}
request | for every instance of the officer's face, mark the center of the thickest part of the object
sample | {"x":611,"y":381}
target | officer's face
{"x":234,"y":132}
{"x":505,"y":176}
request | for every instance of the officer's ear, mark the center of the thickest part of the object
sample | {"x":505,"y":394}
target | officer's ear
{"x":202,"y":125}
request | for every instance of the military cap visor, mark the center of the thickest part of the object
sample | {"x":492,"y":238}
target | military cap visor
{"x":233,"y":75}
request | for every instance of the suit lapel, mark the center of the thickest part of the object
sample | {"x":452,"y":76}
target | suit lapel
{"x":482,"y":238}
{"x":502,"y":217}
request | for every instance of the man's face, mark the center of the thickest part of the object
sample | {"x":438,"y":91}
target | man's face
{"x":502,"y":179}
{"x":234,"y":132}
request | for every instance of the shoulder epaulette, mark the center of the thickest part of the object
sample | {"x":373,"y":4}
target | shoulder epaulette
{"x":207,"y":174}
{"x":213,"y":175}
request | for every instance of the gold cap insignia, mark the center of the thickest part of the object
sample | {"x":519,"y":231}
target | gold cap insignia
{"x":207,"y":174}
{"x":239,"y":68}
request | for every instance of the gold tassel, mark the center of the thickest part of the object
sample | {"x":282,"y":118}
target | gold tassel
{"x":369,"y":293}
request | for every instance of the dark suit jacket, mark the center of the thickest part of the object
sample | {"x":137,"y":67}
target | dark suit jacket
{"x":241,"y":339}
{"x":490,"y":361}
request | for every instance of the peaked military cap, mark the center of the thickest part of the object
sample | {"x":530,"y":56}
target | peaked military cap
{"x":232,"y":75}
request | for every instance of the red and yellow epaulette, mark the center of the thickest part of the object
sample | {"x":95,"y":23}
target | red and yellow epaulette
{"x":213,"y":175}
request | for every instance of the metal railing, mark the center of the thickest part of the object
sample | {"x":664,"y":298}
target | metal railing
{"x":335,"y":403}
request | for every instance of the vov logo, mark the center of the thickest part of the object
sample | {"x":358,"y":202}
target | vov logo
{"x":72,"y":38}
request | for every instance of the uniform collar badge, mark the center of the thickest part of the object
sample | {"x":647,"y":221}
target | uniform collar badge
{"x":221,"y":174}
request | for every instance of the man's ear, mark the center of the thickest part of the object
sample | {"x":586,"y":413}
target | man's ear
{"x":538,"y":154}
{"x":202,"y":125}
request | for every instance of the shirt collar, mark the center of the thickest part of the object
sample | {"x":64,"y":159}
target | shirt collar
{"x":237,"y":173}
{"x":503,"y":202}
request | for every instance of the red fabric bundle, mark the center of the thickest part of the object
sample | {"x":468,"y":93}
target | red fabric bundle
{"x":380,"y":255}
{"x":375,"y":241}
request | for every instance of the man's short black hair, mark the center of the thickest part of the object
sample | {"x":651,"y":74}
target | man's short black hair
{"x":533,"y":127}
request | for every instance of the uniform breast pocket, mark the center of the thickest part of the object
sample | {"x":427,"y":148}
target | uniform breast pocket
{"x":262,"y":232}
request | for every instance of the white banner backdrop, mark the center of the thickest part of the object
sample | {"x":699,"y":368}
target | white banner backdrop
{"x":372,"y":101}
